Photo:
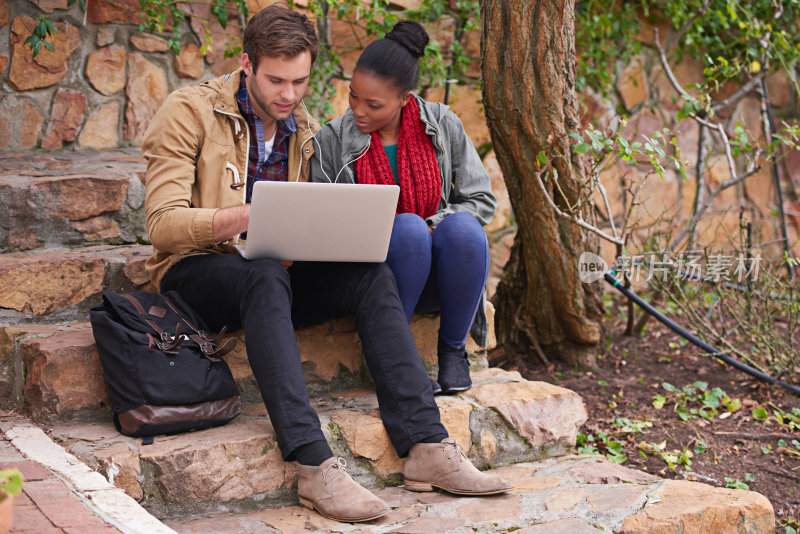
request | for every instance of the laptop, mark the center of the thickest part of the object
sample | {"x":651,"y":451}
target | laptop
{"x":305,"y":221}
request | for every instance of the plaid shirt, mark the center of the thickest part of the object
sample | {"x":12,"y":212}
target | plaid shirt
{"x":262,"y":166}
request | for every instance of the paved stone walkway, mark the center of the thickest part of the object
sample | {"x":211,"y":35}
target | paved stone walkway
{"x":60,"y":493}
{"x":47,"y":504}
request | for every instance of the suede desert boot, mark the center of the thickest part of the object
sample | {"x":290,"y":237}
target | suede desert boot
{"x":330,"y":490}
{"x":444,"y":465}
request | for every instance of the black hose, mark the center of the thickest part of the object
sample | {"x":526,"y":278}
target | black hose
{"x":752,"y":371}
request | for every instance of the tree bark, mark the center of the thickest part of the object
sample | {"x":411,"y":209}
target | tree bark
{"x":529,"y":64}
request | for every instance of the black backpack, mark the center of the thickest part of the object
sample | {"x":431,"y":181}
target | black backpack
{"x":162,"y":368}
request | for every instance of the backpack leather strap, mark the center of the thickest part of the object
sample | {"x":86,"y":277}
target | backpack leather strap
{"x":168,"y":342}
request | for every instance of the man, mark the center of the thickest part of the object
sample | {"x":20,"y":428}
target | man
{"x":205,"y":147}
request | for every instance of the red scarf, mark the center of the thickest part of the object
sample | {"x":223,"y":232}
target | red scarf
{"x":417,"y":168}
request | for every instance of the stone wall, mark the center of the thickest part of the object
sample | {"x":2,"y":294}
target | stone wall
{"x":97,"y":89}
{"x":105,"y":79}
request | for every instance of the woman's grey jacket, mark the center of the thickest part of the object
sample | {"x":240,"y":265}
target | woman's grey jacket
{"x":465,"y":184}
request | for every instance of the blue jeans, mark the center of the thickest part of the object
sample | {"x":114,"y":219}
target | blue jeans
{"x":445,"y":271}
{"x":268,"y":301}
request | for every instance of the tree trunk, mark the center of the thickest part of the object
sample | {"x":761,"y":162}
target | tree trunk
{"x":529,"y":63}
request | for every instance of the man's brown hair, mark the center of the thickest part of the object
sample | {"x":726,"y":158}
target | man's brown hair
{"x":277,"y":31}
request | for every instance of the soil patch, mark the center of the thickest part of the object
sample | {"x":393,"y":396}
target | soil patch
{"x":743,"y":444}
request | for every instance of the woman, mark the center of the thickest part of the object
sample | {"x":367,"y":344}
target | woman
{"x":438,"y":250}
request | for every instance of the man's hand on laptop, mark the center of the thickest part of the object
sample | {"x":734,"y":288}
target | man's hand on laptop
{"x":229,"y":222}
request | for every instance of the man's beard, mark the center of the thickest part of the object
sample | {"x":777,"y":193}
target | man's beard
{"x":273,"y":114}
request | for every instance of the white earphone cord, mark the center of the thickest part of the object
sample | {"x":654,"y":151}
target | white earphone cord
{"x":319,"y":147}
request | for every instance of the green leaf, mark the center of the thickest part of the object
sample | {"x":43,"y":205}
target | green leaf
{"x":670,"y":387}
{"x":760,"y":413}
{"x":581,"y":148}
{"x":659,"y":401}
{"x":10,"y":481}
{"x":734,"y":405}
{"x":709,"y":399}
{"x":735,"y":484}
{"x":541,"y":158}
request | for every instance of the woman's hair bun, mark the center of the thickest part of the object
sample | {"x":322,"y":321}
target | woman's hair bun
{"x":412,"y":35}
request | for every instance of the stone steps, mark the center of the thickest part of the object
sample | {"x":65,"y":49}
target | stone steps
{"x":48,"y":362}
{"x":566,"y":495}
{"x":66,"y":232}
{"x":71,"y":199}
{"x":51,"y":285}
{"x":53,"y":371}
{"x":502,"y":420}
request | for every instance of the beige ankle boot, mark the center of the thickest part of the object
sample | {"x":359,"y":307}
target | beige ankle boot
{"x":444,"y":465}
{"x":330,"y":490}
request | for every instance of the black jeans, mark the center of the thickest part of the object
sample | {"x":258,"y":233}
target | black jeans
{"x":267,"y":301}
